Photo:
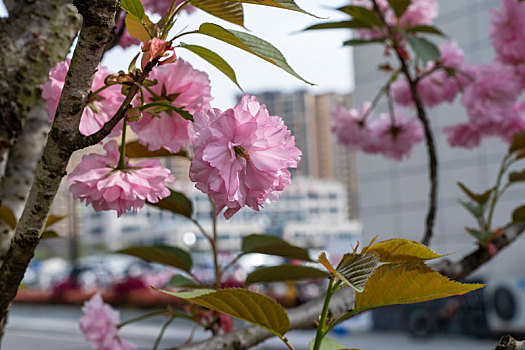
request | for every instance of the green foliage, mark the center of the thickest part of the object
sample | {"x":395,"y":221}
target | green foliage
{"x":133,"y":7}
{"x":137,"y":29}
{"x":48,"y":234}
{"x":271,"y":245}
{"x":251,"y":44}
{"x":327,"y":344}
{"x":399,"y":250}
{"x":283,"y":4}
{"x":518,"y":142}
{"x":178,"y":281}
{"x":358,"y":42}
{"x":243,"y":304}
{"x":481,"y":236}
{"x":214,"y":59}
{"x":362,"y":15}
{"x":8,"y":217}
{"x":423,"y":48}
{"x":162,"y":254}
{"x":337,"y":25}
{"x":227,"y":10}
{"x":284,"y":273}
{"x":425,"y":30}
{"x":353,"y":269}
{"x":481,"y":199}
{"x":177,"y":203}
{"x":518,"y":215}
{"x":517,"y":176}
{"x":399,"y":6}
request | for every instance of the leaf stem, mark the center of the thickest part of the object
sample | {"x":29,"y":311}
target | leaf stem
{"x":122,"y":159}
{"x":503,"y":167}
{"x":142,"y":317}
{"x":214,"y":244}
{"x":286,"y":342}
{"x":162,"y":330}
{"x":319,"y":335}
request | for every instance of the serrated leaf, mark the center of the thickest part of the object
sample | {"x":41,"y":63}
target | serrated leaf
{"x":406,"y":284}
{"x":243,"y":304}
{"x":518,"y":215}
{"x":518,"y":142}
{"x":162,"y":254}
{"x":353,"y":269}
{"x":8,"y":217}
{"x":271,"y":245}
{"x":283,"y":4}
{"x":400,"y":250}
{"x":327,"y":344}
{"x":135,"y":150}
{"x":177,"y":203}
{"x":161,"y":106}
{"x":180,"y":281}
{"x":337,"y":25}
{"x":53,"y":219}
{"x":399,"y":6}
{"x":423,"y":48}
{"x":229,"y":11}
{"x":48,"y":234}
{"x":425,"y":30}
{"x":363,"y":15}
{"x":284,"y":273}
{"x":133,"y":7}
{"x":357,"y":42}
{"x":472,"y":208}
{"x":517,"y":176}
{"x":136,"y":29}
{"x":214,"y":59}
{"x":251,"y":44}
{"x":481,"y":199}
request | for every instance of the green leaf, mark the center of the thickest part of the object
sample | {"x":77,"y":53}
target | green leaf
{"x":400,"y":250}
{"x":133,"y":7}
{"x":518,"y":142}
{"x":162,"y":254}
{"x":474,"y":208}
{"x":226,"y":10}
{"x":423,"y":48}
{"x":399,"y":6}
{"x":406,"y":284}
{"x":178,"y":281}
{"x":481,"y":199}
{"x":243,"y":304}
{"x":283,"y":4}
{"x":136,"y":29}
{"x":8,"y":217}
{"x":214,"y":59}
{"x":353,"y":269}
{"x":47,"y":234}
{"x":425,"y":30}
{"x":135,"y":150}
{"x":177,"y":203}
{"x":517,"y":176}
{"x":357,"y":42}
{"x":165,"y":106}
{"x":518,"y":215}
{"x":284,"y":273}
{"x":338,"y":25}
{"x":271,"y":245}
{"x":251,"y":44}
{"x":327,"y":344}
{"x":363,"y":15}
{"x":482,"y":237}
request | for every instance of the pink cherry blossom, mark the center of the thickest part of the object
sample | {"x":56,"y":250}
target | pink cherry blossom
{"x":99,"y":325}
{"x":161,"y":6}
{"x":185,"y":87}
{"x":463,"y":135}
{"x":494,"y":89}
{"x":395,"y":141}
{"x":97,"y":112}
{"x":242,"y":155}
{"x":350,"y":126}
{"x":97,"y":181}
{"x":508,"y":31}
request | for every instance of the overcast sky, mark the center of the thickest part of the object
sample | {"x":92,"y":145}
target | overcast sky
{"x":316,"y":55}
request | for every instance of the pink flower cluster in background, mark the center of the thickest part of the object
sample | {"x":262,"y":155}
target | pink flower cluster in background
{"x":98,"y":111}
{"x":97,"y":181}
{"x":393,"y":137}
{"x":242,"y":155}
{"x":100,"y":325}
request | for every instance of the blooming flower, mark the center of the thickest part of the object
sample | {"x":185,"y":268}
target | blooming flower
{"x":182,"y":86}
{"x":395,"y":140}
{"x":508,"y":31}
{"x":97,"y":181}
{"x":350,"y":127}
{"x":98,"y":111}
{"x":242,"y":155}
{"x":463,"y":135}
{"x":99,"y":326}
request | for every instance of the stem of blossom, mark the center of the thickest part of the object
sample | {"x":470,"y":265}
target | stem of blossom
{"x":287,"y":342}
{"x":214,"y":244}
{"x":142,"y":317}
{"x":122,"y":159}
{"x":429,"y":137}
{"x":92,"y":95}
{"x":505,"y":163}
{"x":378,"y":96}
{"x":171,"y":16}
{"x":391,"y":109}
{"x":231,"y":263}
{"x":161,"y":333}
{"x":321,"y":332}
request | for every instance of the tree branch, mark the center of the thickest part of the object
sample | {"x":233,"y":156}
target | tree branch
{"x":97,"y":27}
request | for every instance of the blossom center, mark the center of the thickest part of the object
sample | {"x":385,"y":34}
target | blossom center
{"x":241,"y":152}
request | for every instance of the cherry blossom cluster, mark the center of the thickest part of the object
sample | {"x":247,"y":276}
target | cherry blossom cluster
{"x":100,"y":326}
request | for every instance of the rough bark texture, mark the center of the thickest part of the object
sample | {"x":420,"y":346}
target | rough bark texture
{"x":20,"y":170}
{"x":35,"y":36}
{"x":300,"y":317}
{"x":97,"y":27}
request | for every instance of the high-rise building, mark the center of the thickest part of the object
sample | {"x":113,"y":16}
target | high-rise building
{"x":307,"y":116}
{"x":393,"y":195}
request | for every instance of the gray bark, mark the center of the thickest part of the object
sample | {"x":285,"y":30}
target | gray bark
{"x":20,"y":170}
